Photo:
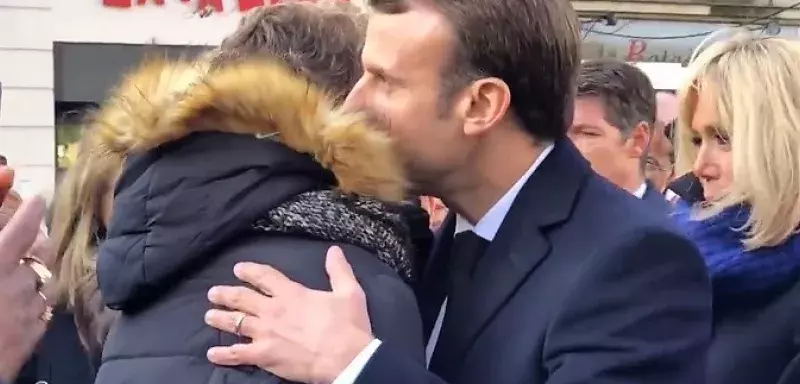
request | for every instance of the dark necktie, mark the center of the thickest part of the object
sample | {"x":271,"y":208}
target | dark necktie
{"x":466,"y":250}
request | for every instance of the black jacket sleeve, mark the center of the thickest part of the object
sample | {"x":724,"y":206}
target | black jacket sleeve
{"x":390,"y":366}
{"x":391,"y":302}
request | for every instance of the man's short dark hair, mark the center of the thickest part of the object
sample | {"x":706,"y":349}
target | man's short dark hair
{"x":626,"y":92}
{"x":532,"y":45}
{"x":321,"y":42}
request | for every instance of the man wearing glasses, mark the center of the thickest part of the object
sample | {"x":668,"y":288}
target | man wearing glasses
{"x":659,"y":169}
{"x":660,"y":161}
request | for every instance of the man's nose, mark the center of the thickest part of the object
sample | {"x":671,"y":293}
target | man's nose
{"x":355,"y":99}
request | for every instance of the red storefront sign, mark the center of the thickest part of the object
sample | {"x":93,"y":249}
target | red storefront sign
{"x":638,"y":50}
{"x":216,"y":5}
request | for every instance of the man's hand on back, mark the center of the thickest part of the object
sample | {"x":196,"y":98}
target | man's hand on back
{"x":297,"y":333}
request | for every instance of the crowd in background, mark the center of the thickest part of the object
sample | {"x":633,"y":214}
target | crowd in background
{"x":464,"y":201}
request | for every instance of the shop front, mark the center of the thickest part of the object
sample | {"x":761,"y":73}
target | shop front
{"x":657,"y":41}
{"x":60,"y":58}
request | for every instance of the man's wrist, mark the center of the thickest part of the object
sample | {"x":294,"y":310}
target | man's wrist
{"x":352,"y":372}
{"x":345,"y":355}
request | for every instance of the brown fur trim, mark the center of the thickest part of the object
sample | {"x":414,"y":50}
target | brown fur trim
{"x":164,"y":101}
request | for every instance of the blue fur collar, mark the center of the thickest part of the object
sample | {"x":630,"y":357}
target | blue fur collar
{"x":734,"y":271}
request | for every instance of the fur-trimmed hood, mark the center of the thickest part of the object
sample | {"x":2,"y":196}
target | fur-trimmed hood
{"x":165,"y":101}
{"x":196,"y":177}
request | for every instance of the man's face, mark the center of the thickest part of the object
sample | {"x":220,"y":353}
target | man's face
{"x":659,"y":167}
{"x":404,"y":58}
{"x":611,"y":155}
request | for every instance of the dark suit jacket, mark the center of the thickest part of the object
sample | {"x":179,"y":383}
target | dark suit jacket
{"x":656,"y":199}
{"x":582,"y":284}
{"x":757,"y":339}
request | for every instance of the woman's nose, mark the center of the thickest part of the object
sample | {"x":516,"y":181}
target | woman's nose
{"x":703,"y":167}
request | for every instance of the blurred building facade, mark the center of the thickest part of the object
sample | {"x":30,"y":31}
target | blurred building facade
{"x":59,"y":58}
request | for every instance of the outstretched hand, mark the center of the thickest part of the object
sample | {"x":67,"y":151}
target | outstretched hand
{"x":297,"y":333}
{"x":21,"y":322}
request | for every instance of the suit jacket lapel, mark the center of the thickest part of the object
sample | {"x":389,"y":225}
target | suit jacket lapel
{"x":433,"y":285}
{"x":521,"y":242}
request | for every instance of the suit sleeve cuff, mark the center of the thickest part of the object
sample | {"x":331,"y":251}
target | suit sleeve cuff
{"x":353,"y":370}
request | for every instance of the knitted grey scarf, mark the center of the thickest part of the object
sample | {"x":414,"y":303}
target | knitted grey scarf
{"x":367,"y":223}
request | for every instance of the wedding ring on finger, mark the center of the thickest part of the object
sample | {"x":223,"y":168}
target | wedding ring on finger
{"x":47,"y":315}
{"x":238,"y":328}
{"x":43,"y":274}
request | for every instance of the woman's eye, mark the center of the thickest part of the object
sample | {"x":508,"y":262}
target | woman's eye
{"x":697,"y":141}
{"x":722,"y":140}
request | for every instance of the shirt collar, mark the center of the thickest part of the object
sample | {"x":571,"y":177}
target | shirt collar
{"x":489,"y":224}
{"x":641,"y":191}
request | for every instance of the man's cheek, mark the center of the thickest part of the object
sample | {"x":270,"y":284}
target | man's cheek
{"x":585,"y":146}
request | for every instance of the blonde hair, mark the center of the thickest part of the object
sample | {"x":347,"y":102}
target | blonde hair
{"x":755,"y":82}
{"x":76,"y":214}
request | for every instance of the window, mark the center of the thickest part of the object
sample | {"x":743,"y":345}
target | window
{"x":70,"y":118}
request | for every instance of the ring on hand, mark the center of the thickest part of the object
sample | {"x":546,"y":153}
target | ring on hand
{"x":43,"y":274}
{"x":238,"y":329}
{"x":47,"y":315}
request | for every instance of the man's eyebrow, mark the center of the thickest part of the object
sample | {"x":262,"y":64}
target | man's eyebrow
{"x":380,"y":72}
{"x":585,"y":126}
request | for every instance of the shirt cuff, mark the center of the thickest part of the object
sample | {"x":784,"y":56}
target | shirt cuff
{"x":353,"y":370}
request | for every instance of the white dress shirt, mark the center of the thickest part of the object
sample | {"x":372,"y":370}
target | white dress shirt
{"x":486,"y":228}
{"x":640,"y":191}
{"x":671,"y":196}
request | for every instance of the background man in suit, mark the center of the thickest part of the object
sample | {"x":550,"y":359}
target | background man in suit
{"x":556,"y":275}
{"x":615,"y":114}
{"x":661,"y":159}
{"x":686,"y":187}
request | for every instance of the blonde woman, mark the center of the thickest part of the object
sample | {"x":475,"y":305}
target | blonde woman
{"x":739,"y":133}
{"x":81,"y":213}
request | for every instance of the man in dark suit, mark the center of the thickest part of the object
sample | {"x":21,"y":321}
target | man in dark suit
{"x":544,"y":271}
{"x":615,"y":117}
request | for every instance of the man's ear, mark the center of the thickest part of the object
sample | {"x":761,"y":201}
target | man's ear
{"x":639,"y":140}
{"x":484,"y":104}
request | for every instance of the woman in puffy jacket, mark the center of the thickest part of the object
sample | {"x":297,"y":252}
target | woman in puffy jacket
{"x":243,"y":156}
